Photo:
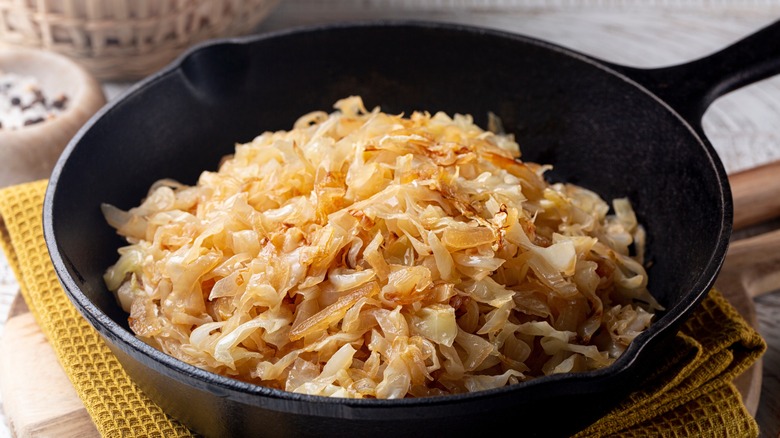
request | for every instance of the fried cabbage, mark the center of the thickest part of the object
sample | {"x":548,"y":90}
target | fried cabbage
{"x":368,"y":255}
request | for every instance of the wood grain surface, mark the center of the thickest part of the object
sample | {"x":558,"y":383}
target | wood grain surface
{"x":768,"y":413}
{"x":742,"y":126}
{"x":39,"y":400}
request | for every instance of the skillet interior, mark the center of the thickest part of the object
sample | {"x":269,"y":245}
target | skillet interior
{"x":596,"y":128}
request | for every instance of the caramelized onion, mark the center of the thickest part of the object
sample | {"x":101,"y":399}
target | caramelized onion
{"x":365,"y":254}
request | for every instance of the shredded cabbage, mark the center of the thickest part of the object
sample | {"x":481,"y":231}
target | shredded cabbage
{"x":365,"y":254}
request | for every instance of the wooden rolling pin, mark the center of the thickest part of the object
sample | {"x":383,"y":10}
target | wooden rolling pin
{"x":756,"y":194}
{"x":754,"y":262}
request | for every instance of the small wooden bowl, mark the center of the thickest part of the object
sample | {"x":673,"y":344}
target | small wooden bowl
{"x":29,"y":153}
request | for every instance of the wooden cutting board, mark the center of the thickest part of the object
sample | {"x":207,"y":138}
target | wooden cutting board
{"x":38,"y":399}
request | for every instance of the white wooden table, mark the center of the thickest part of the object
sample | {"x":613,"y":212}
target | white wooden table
{"x":744,"y":126}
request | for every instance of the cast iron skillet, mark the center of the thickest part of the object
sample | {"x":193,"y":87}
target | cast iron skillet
{"x":619,"y":131}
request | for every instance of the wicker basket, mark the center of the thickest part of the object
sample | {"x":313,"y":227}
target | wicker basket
{"x":118,"y":40}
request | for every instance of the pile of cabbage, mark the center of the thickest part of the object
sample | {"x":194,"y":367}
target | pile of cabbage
{"x":368,"y":255}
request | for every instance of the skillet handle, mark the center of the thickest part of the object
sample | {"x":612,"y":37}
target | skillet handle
{"x":690,"y":88}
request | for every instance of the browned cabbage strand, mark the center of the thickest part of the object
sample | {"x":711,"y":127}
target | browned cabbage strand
{"x":364,"y":254}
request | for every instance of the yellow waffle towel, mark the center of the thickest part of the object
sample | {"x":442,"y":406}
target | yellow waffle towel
{"x":692,"y":394}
